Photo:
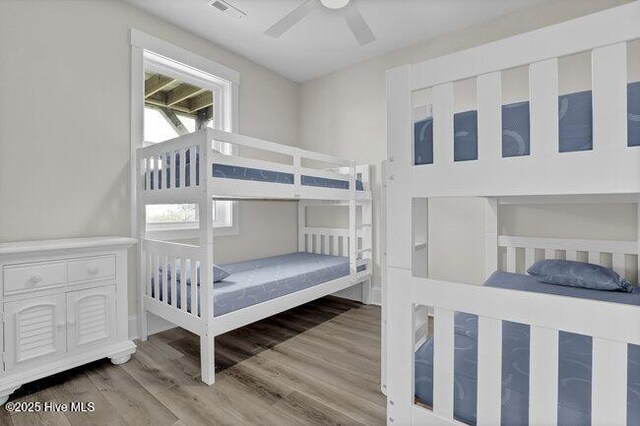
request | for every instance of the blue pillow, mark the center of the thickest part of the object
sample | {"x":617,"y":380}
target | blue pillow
{"x":578,"y":274}
{"x":219,"y":274}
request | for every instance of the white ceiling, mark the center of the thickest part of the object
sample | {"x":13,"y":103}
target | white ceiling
{"x":322,"y":42}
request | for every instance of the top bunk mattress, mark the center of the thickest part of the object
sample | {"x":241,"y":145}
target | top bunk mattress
{"x":254,"y":281}
{"x":575,"y":119}
{"x":226,"y":171}
{"x":574,"y":367}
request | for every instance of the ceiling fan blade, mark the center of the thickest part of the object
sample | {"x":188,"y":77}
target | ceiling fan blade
{"x":289,"y":21}
{"x":358,"y":25}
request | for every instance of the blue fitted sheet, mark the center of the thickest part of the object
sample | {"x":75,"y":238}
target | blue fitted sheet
{"x":575,"y":117}
{"x":574,"y":385}
{"x":255,"y":281}
{"x":247,"y":173}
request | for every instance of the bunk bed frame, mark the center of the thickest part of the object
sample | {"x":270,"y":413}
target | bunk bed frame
{"x":611,"y":170}
{"x":166,"y":175}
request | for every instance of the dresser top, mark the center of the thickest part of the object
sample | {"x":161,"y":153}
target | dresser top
{"x":72,"y":243}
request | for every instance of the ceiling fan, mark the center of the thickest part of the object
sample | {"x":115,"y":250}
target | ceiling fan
{"x":352,"y":16}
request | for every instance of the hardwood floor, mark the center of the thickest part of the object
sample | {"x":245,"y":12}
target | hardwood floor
{"x":318,"y":364}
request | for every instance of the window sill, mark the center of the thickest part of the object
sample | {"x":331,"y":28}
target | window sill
{"x":177,"y":233}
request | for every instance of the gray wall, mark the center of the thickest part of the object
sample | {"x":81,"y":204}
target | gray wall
{"x":65,"y":116}
{"x":353,"y":101}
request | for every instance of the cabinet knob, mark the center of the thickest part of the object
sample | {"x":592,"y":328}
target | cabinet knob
{"x":36,"y":278}
{"x":93,"y":270}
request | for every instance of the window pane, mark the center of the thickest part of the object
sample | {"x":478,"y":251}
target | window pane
{"x":156,"y":128}
{"x":169,"y":213}
{"x":188,"y":122}
{"x":174,"y":107}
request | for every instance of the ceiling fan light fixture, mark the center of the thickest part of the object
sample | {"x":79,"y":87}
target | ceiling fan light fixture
{"x":334,"y":4}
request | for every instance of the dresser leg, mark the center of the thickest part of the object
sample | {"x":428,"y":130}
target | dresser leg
{"x":120,"y":359}
{"x":6,"y":393}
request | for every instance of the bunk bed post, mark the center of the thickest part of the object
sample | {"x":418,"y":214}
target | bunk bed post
{"x":366,"y":219}
{"x":353,"y":235}
{"x":491,"y":235}
{"x":400,"y":359}
{"x":140,"y":230}
{"x":207,"y":338}
{"x":302,"y":223}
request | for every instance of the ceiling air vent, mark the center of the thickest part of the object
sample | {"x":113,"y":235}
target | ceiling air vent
{"x":225,"y":7}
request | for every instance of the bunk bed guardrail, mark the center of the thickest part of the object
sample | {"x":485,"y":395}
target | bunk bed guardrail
{"x":175,"y":167}
{"x":611,"y":167}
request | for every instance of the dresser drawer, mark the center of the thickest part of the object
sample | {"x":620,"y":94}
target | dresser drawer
{"x":91,"y":268}
{"x":30,"y":276}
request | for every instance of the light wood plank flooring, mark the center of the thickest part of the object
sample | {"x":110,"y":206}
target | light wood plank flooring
{"x":318,"y":364}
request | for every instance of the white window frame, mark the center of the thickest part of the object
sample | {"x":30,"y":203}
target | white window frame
{"x":149,"y":52}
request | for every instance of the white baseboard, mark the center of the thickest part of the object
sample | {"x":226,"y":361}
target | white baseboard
{"x":155,"y":325}
{"x":376,"y":296}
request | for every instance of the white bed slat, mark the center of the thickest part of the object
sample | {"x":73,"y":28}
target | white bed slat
{"x":609,"y":383}
{"x":491,"y":235}
{"x":326,"y":247}
{"x":543,"y":91}
{"x":336,"y":245}
{"x":489,"y":94}
{"x":183,"y":286}
{"x":489,"y":371}
{"x":190,"y":271}
{"x":443,"y":135}
{"x":174,"y":295}
{"x":529,"y":257}
{"x":317,"y":243}
{"x":147,"y":174}
{"x":571,"y":255}
{"x":511,"y":259}
{"x":345,"y":246}
{"x":147,"y":272}
{"x":594,"y":257}
{"x":156,"y":274}
{"x":192,"y":166}
{"x":610,"y":97}
{"x":443,"y":363}
{"x":165,"y":275}
{"x":543,"y":376}
{"x":618,"y":263}
{"x":550,"y":254}
{"x":158,"y":179}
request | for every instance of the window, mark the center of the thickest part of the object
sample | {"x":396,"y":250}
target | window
{"x":179,"y":100}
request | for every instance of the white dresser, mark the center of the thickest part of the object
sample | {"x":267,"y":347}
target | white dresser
{"x":63,"y":304}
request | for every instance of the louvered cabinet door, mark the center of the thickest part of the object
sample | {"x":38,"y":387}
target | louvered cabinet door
{"x":91,"y":317}
{"x":34,"y":330}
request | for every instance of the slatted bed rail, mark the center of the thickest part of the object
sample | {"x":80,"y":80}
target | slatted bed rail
{"x":168,"y":270}
{"x":609,"y":167}
{"x":546,"y":315}
{"x":170,"y":171}
{"x":337,"y":242}
{"x":522,"y":252}
{"x":543,"y":168}
{"x":173,"y":170}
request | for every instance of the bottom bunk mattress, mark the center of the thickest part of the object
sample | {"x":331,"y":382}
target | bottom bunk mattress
{"x":254,"y":281}
{"x":574,"y":375}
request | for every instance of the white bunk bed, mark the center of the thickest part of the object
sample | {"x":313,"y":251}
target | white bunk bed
{"x":609,"y":172}
{"x":166,"y":175}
